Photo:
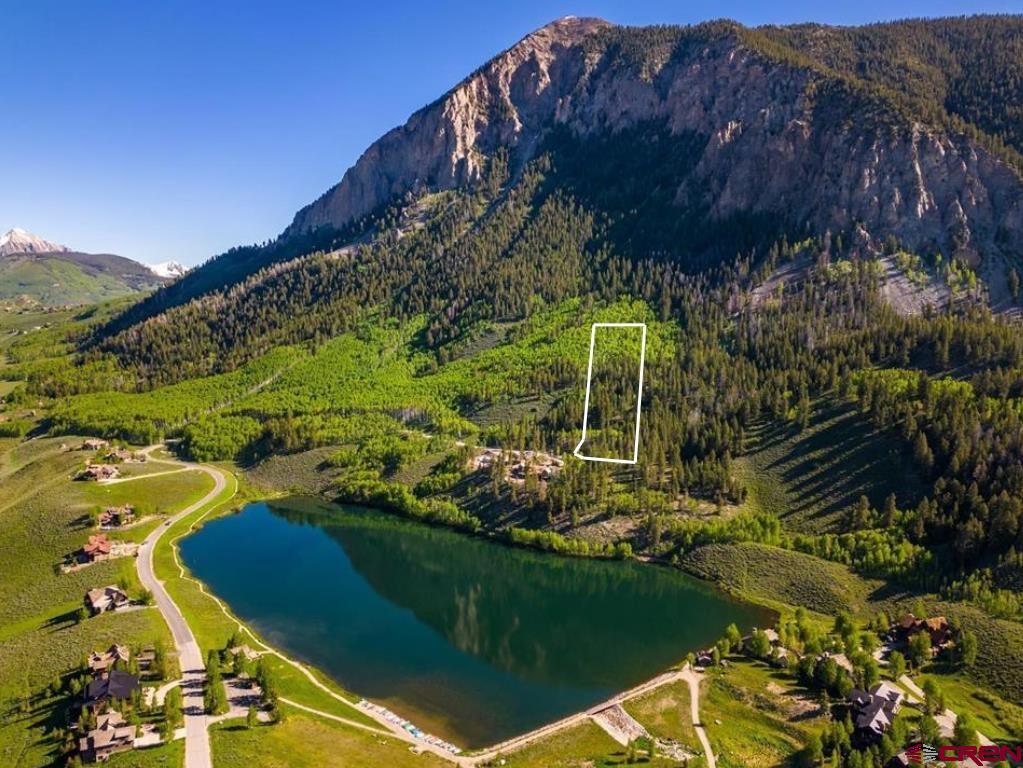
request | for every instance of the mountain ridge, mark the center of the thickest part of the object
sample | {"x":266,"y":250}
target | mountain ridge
{"x":20,"y":241}
{"x":684,"y":146}
{"x":53,"y":274}
{"x":541,"y":80}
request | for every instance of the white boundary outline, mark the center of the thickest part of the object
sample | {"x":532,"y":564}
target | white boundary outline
{"x":639,"y":393}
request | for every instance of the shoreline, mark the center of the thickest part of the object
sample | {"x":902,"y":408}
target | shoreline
{"x":471,"y":754}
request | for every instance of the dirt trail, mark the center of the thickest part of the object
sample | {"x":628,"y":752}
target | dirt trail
{"x":692,"y":677}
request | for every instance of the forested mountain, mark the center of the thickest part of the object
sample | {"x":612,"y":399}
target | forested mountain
{"x":902,"y":133}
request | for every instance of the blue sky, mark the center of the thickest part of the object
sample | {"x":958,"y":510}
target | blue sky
{"x":175,"y":130}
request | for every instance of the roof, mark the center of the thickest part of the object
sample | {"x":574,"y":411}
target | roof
{"x":98,"y":544}
{"x":103,"y":659}
{"x":105,"y":594}
{"x":877,"y":707}
{"x":887,"y":691}
{"x":116,"y":685}
{"x":110,"y":727}
{"x":875,"y":717}
{"x":859,"y":698}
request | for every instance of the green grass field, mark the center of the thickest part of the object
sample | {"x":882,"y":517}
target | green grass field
{"x":755,"y":716}
{"x":665,"y":714}
{"x":164,"y":756}
{"x":781,"y":577}
{"x":305,"y":741}
{"x":581,"y":745}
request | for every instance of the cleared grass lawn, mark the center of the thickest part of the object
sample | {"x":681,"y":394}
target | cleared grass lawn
{"x":812,"y":479}
{"x":665,"y":714}
{"x":159,"y":494}
{"x":143,"y":469}
{"x":752,"y":718}
{"x":164,"y":756}
{"x":582,"y":746}
{"x":306,"y":741}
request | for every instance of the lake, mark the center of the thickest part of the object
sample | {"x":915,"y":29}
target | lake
{"x":471,"y":640}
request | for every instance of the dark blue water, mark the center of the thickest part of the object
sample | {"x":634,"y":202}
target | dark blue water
{"x":471,"y":640}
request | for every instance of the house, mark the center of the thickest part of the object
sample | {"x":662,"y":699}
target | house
{"x":99,"y":472}
{"x":97,"y":548}
{"x":114,"y":685}
{"x":876,"y":709}
{"x":940,"y":631}
{"x":104,"y":599}
{"x":938,"y":628}
{"x":101,"y":662}
{"x":114,"y":517}
{"x":704,"y":659}
{"x":111,"y":734}
{"x":145,"y":658}
{"x":94,"y":444}
{"x":841,"y":661}
{"x":519,"y":464}
{"x":772,"y":636}
{"x":118,"y":455}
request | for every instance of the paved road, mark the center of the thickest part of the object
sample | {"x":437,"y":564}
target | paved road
{"x":193,"y":666}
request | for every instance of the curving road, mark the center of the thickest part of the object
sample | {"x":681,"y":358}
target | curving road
{"x":193,"y":666}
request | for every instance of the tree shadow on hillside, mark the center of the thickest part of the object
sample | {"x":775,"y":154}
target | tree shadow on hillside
{"x":840,"y":458}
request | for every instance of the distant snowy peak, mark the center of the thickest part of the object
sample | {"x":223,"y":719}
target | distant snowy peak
{"x":19,"y":241}
{"x":169,"y":269}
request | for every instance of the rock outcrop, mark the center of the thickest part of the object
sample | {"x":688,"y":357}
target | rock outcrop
{"x":19,"y":241}
{"x":776,"y":141}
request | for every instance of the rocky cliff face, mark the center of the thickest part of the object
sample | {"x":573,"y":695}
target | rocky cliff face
{"x":19,"y":241}
{"x":507,"y":102}
{"x":779,"y":139}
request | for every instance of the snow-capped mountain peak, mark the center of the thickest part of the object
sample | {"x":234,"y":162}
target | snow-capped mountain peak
{"x":169,"y":269}
{"x":19,"y":241}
